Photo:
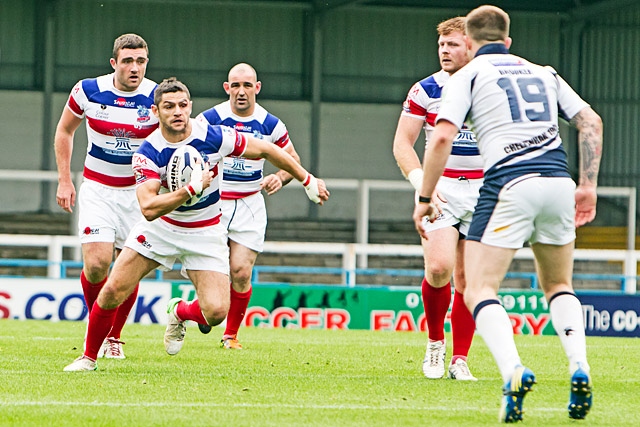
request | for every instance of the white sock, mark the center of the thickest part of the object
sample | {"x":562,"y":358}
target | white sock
{"x":494,"y":326}
{"x":568,"y":321}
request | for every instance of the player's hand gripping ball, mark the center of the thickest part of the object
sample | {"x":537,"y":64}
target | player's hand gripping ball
{"x":185,"y":169}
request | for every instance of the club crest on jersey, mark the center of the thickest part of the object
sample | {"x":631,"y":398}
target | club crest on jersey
{"x":143,"y":114}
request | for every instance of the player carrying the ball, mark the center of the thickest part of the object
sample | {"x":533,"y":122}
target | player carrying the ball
{"x":173,"y":231}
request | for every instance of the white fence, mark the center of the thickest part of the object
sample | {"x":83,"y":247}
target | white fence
{"x":363,"y":188}
{"x":354,"y":255}
{"x":349,"y":253}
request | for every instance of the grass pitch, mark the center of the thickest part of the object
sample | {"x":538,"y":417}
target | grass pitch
{"x":291,"y":377}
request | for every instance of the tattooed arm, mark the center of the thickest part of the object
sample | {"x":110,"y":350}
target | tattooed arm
{"x":589,"y":125}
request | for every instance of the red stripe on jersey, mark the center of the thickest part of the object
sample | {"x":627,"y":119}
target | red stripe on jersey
{"x":235,"y":195}
{"x":240,"y":145}
{"x":130,"y":131}
{"x":73,"y":106}
{"x":462,"y":173}
{"x":281,"y":142}
{"x":193,"y":224}
{"x":111,"y":181}
{"x":431,"y":119}
{"x":416,"y":109}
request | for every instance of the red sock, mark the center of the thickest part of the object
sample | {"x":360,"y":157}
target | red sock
{"x":100,"y":322}
{"x":190,"y":311}
{"x":462,"y":327}
{"x":123,"y":313}
{"x":90,"y":290}
{"x":436,"y":304}
{"x":237,"y":309}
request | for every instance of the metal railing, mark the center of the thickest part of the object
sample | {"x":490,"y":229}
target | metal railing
{"x":349,"y":271}
{"x":363,"y":188}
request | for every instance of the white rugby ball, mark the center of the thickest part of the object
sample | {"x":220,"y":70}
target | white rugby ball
{"x":181,"y":164}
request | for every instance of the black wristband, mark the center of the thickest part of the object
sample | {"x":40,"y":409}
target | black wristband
{"x":424,"y":199}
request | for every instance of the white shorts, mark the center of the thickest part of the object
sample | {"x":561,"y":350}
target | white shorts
{"x":106,"y":214}
{"x":198,"y":249}
{"x":246,"y":221}
{"x":461,"y":196}
{"x":528,"y":208}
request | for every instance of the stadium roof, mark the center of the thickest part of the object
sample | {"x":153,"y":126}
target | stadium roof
{"x":572,"y":8}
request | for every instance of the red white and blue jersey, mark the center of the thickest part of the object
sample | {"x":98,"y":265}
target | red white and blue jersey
{"x":423,"y":103}
{"x":213,"y":142}
{"x":117,"y":123}
{"x":242,"y":176}
{"x":513,"y":107}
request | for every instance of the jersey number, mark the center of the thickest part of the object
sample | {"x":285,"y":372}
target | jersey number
{"x":532,"y":90}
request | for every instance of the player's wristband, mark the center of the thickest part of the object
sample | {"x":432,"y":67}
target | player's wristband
{"x":190,"y":190}
{"x":422,"y":199}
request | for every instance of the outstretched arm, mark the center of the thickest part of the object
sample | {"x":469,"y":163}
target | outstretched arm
{"x":589,"y":125}
{"x":274,"y":182}
{"x":316,"y":190}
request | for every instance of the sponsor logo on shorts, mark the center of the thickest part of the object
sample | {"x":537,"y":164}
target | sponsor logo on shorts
{"x":88,"y":231}
{"x":143,"y":241}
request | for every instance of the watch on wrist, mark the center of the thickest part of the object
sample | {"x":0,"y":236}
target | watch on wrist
{"x":422,"y":199}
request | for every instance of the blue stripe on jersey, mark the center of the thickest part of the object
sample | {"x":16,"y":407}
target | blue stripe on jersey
{"x":212,"y":140}
{"x":552,"y":163}
{"x":237,"y":176}
{"x":116,"y":157}
{"x":212,"y":116}
{"x":457,"y":150}
{"x":108,"y":98}
{"x":251,"y":126}
{"x":149,"y":151}
{"x":431,"y":87}
{"x":209,"y":200}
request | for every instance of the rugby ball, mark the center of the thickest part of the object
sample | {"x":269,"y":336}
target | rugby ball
{"x":182,"y":162}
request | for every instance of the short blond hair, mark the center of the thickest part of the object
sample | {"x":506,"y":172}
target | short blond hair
{"x":488,"y":24}
{"x":452,"y":25}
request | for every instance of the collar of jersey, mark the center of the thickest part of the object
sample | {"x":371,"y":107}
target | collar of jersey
{"x":492,"y":48}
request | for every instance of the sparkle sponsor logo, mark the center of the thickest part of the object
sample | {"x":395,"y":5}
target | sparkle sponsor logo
{"x":143,"y":241}
{"x":88,"y":231}
{"x":121,"y":102}
{"x":241,"y":127}
{"x":465,"y":136}
{"x":238,"y":164}
{"x":122,"y":137}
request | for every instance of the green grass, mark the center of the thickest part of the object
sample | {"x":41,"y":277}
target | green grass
{"x":288,"y":377}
